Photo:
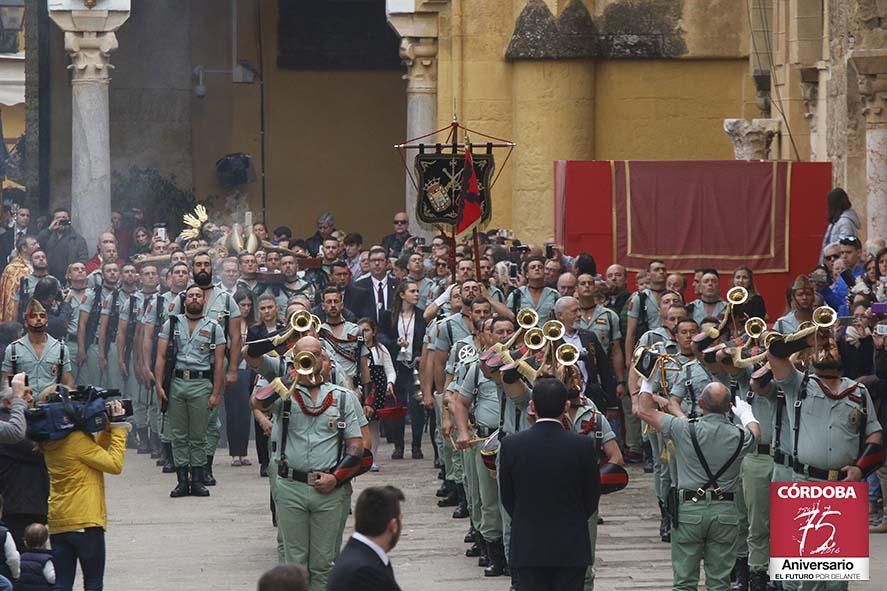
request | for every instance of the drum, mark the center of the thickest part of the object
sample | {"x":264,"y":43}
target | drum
{"x":489,"y":450}
{"x":613,"y":478}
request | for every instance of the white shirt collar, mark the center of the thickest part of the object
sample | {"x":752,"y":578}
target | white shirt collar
{"x":376,"y":282}
{"x":558,"y":421}
{"x":383,"y":556}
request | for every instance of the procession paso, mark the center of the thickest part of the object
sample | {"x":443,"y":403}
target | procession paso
{"x":819,"y":531}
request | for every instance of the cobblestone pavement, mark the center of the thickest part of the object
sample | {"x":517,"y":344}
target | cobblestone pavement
{"x":226,"y":541}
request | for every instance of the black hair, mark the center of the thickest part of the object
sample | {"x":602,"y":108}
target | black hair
{"x":585,"y":263}
{"x":838,"y":202}
{"x":284,"y":577}
{"x":549,"y":396}
{"x":376,"y":507}
{"x":330,"y":289}
{"x":353,"y":239}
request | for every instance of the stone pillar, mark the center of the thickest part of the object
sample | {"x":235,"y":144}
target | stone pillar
{"x":751,"y":139}
{"x":871,"y":70}
{"x":89,"y":40}
{"x":419,"y":55}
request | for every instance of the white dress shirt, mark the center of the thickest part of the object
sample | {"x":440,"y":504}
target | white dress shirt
{"x":383,"y":556}
{"x":383,"y":305}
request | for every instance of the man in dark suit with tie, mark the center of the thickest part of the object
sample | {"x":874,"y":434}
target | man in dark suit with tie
{"x":549,"y":482}
{"x":380,"y":284}
{"x":364,"y":563}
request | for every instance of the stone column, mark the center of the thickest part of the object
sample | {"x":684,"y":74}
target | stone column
{"x":89,"y":41}
{"x":419,"y":55}
{"x":871,"y":70}
{"x":751,"y":139}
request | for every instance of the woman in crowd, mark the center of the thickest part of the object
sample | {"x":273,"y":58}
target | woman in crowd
{"x":141,"y":241}
{"x":743,"y":277}
{"x":382,"y":378}
{"x":78,"y":516}
{"x":856,"y":345}
{"x":842,"y":218}
{"x":237,"y":411}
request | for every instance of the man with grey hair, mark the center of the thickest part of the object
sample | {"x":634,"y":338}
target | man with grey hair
{"x":566,"y":284}
{"x":706,"y":480}
{"x":12,"y":411}
{"x":326,"y":225}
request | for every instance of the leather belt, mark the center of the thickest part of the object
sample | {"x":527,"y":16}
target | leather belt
{"x":782,"y":458}
{"x":698,"y":495}
{"x":764,"y":449}
{"x":483,"y":431}
{"x":298,"y":475}
{"x":830,"y":475}
{"x":193,"y":374}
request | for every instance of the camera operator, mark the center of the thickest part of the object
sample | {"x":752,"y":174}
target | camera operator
{"x":12,"y":412}
{"x":62,"y":244}
{"x":77,"y":512}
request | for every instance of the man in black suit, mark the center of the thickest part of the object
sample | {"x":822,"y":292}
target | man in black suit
{"x":380,"y":284}
{"x":364,"y":563}
{"x":549,"y":482}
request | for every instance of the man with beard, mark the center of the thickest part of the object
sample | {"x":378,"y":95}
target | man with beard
{"x":802,"y":296}
{"x":604,"y":323}
{"x":535,"y":294}
{"x":617,"y":294}
{"x":709,"y":304}
{"x":220,"y":307}
{"x":109,"y":360}
{"x":343,"y":342}
{"x":98,"y":298}
{"x":194,"y":391}
{"x":643,"y":306}
{"x":19,"y":266}
{"x":44,"y":359}
{"x":40,"y":269}
{"x":837,"y":436}
{"x":292,"y":284}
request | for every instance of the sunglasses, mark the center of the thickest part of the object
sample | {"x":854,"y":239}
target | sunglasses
{"x":832,"y":257}
{"x":400,"y":222}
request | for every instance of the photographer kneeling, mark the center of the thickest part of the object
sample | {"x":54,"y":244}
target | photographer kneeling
{"x":77,"y":514}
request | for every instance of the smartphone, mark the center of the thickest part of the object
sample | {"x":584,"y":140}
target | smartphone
{"x":160,"y":233}
{"x":512,"y":270}
{"x":419,"y":241}
{"x":881,"y":329}
{"x":502,"y":233}
{"x":819,"y":276}
{"x":879,"y":308}
{"x":549,"y":251}
{"x":845,"y":320}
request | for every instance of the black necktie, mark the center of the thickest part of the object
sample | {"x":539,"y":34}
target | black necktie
{"x":381,"y":304}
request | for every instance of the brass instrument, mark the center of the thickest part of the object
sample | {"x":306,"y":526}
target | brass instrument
{"x":567,"y":355}
{"x":527,"y":318}
{"x":306,"y":363}
{"x":301,"y":321}
{"x":737,"y":296}
{"x":553,"y":330}
{"x":534,"y":339}
{"x":823,"y":317}
{"x":755,"y":327}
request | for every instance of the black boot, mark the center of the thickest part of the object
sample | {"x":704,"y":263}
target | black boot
{"x":758,"y":581}
{"x":484,"y":559}
{"x":497,"y":559}
{"x":444,"y":490}
{"x":168,"y":467}
{"x":183,"y":487}
{"x":741,"y":569}
{"x":161,"y":457}
{"x":475,"y":550}
{"x":208,"y":478}
{"x":664,"y":523}
{"x":154,"y":445}
{"x":198,"y":477}
{"x":469,"y":537}
{"x":451,"y":500}
{"x":143,"y":447}
{"x":648,"y":458}
{"x":461,"y":511}
{"x":441,"y":474}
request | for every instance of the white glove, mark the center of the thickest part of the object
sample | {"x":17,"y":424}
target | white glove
{"x":743,"y":411}
{"x":647,"y":386}
{"x":443,"y":298}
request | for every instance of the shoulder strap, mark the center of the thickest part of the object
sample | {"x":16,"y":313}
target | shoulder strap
{"x":802,"y":394}
{"x":642,"y":304}
{"x":61,"y":363}
{"x":284,"y":427}
{"x":713,"y":478}
{"x":688,"y":384}
{"x":515,"y":301}
{"x":449,"y":331}
{"x":780,"y":408}
{"x":14,"y":358}
{"x":341,"y":426}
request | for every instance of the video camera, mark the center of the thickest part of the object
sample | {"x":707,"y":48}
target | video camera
{"x":86,"y":408}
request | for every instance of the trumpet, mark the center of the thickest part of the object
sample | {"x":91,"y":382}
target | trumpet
{"x":301,"y":321}
{"x":755,"y":327}
{"x":737,"y":295}
{"x":553,"y":330}
{"x":823,"y":317}
{"x":306,"y":363}
{"x":567,"y":355}
{"x":534,"y":339}
{"x":527,"y":318}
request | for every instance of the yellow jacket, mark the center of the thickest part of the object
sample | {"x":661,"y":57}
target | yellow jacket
{"x":76,"y":466}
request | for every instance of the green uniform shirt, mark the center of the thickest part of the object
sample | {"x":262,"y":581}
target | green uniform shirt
{"x":158,"y":304}
{"x":496,"y":294}
{"x":104,"y":304}
{"x":41,"y":371}
{"x":194,"y":349}
{"x":453,"y":358}
{"x":221,"y":307}
{"x":762,"y":406}
{"x":484,"y":395}
{"x":312,"y":442}
{"x":830,"y":430}
{"x":787,"y":324}
{"x":691,"y":380}
{"x":427,"y":291}
{"x":516,"y":414}
{"x":135,"y":300}
{"x":651,"y":306}
{"x":718,"y":438}
{"x":660,"y":339}
{"x":451,"y":329}
{"x":545,"y":306}
{"x":345,"y":355}
{"x":604,"y":324}
{"x":592,"y":422}
{"x":74,"y":301}
{"x":282,"y":293}
{"x":673,"y":375}
{"x":697,"y":310}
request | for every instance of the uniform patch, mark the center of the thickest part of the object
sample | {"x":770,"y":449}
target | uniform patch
{"x":204,"y":333}
{"x":601,"y":321}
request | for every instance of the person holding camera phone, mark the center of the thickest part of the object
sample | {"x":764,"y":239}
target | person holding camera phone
{"x":63,"y":245}
{"x":77,"y":510}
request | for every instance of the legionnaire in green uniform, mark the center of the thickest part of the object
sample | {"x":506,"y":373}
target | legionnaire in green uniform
{"x":709,"y":304}
{"x":25,"y":289}
{"x":291,"y":285}
{"x":317,"y":448}
{"x":195,"y":387}
{"x":709,"y":450}
{"x":97,"y":299}
{"x":604,"y":323}
{"x":644,"y":306}
{"x":533,"y":295}
{"x":109,"y":359}
{"x":74,"y":297}
{"x":802,"y":297}
{"x":344,"y":342}
{"x":44,"y":359}
{"x":835,"y":429}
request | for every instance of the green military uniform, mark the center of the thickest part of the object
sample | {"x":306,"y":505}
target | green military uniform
{"x":311,"y":523}
{"x":41,"y":371}
{"x":696,"y":308}
{"x":191,"y":386}
{"x":465,"y":458}
{"x":826,"y":432}
{"x":449,"y":330}
{"x":651,"y":308}
{"x":514,"y":420}
{"x":157,"y":310}
{"x":520,"y":298}
{"x":427,"y":291}
{"x":282,"y":293}
{"x":113,"y":377}
{"x":590,"y":421}
{"x":345,"y":353}
{"x":706,"y":528}
{"x":661,"y":340}
{"x":90,"y":373}
{"x":496,"y":294}
{"x":604,"y":323}
{"x":787,"y":324}
{"x":74,"y":300}
{"x":130,"y":307}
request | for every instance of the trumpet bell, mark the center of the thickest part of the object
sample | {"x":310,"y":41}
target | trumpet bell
{"x":306,"y":363}
{"x":824,"y":317}
{"x":534,"y":339}
{"x":755,"y":327}
{"x":527,"y":318}
{"x":315,"y":322}
{"x":301,"y":321}
{"x":553,"y":330}
{"x":737,"y":295}
{"x":567,"y":354}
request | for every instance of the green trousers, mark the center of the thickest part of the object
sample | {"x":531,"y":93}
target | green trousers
{"x":741,"y":544}
{"x":112,"y":377}
{"x":491,"y":516}
{"x":661,"y":471}
{"x":592,"y":535}
{"x":310,"y":526}
{"x":213,"y":429}
{"x":141,"y":399}
{"x":706,"y":533}
{"x":71,"y":354}
{"x":632,"y":426}
{"x":90,"y":374}
{"x":756,"y":472}
{"x":272,"y":483}
{"x":469,"y":481}
{"x":187,"y":418}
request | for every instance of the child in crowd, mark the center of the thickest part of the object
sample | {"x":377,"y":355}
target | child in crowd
{"x":9,"y":556}
{"x":37,"y":569}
